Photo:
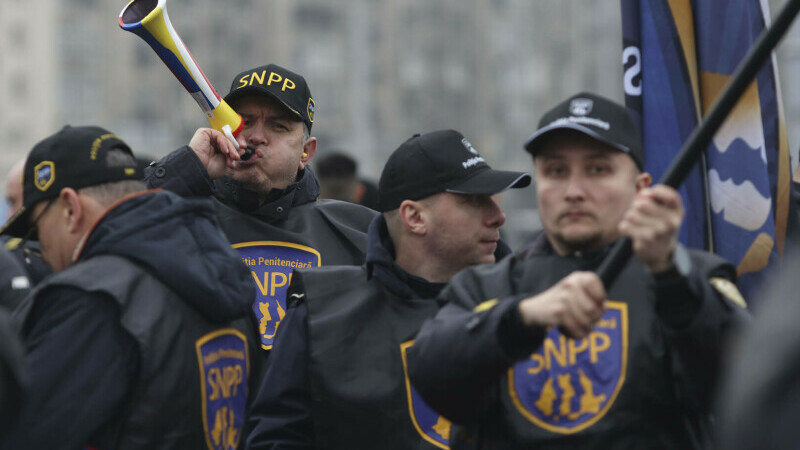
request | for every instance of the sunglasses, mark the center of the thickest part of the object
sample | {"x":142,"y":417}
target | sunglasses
{"x":25,"y":245}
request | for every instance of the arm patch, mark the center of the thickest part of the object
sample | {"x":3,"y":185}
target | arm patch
{"x":485,"y":306}
{"x":729,"y":290}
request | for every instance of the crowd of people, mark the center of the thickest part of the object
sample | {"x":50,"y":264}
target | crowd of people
{"x":205,"y":301}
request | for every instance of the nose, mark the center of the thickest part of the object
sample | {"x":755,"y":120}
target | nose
{"x":255,"y":136}
{"x":494,"y":215}
{"x":574,"y":190}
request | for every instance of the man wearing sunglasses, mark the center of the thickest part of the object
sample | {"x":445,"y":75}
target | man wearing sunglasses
{"x":34,"y":269}
{"x":147,"y":310}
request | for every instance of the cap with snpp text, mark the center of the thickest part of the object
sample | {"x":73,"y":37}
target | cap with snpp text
{"x":440,"y":161}
{"x":73,"y":157}
{"x":282,"y":85}
{"x":595,"y":116}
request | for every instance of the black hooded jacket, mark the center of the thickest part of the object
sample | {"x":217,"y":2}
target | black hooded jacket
{"x":179,"y":242}
{"x":354,"y":315}
{"x":153,"y":273}
{"x":643,"y":378}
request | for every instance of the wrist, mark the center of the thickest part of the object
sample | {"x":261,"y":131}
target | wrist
{"x":526,"y":316}
{"x":678,"y":265}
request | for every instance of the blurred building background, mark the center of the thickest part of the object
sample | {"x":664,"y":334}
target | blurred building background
{"x":380,"y":70}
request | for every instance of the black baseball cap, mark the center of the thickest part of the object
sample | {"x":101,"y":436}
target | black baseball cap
{"x":440,"y":161}
{"x":595,"y":116}
{"x":74,"y":157}
{"x":283,"y":85}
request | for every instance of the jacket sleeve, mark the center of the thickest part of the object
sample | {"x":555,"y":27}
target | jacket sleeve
{"x":460,"y":354}
{"x":12,"y":374}
{"x":281,"y":412}
{"x":81,"y":366}
{"x":14,"y":281}
{"x":697,"y":314}
{"x":181,"y":172}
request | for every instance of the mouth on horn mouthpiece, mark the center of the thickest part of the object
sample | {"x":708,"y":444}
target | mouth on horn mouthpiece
{"x":248,"y":153}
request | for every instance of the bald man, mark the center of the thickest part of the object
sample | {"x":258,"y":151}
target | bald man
{"x":35,"y":268}
{"x":14,"y":188}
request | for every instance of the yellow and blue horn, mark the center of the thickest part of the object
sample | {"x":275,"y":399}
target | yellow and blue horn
{"x":149,"y":20}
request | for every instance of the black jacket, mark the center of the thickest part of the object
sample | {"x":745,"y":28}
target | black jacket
{"x":336,"y":378}
{"x":12,"y":374}
{"x":759,"y":400}
{"x":35,"y":268}
{"x":14,"y":281}
{"x":290,"y":230}
{"x":642,"y":379}
{"x":119,"y":342}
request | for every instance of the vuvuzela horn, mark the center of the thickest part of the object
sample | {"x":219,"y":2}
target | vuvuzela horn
{"x":149,"y":20}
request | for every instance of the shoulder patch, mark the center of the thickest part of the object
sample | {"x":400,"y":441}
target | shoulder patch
{"x":13,"y":243}
{"x":485,"y":306}
{"x":728,"y":289}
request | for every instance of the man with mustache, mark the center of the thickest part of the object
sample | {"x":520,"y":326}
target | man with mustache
{"x":535,"y":352}
{"x":267,"y":202}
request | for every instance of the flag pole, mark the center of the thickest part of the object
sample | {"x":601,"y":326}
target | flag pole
{"x":701,"y":137}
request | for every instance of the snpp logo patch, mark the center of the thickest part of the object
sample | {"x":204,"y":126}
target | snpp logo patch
{"x":224,"y":371}
{"x":271,"y":263}
{"x":310,"y":109}
{"x":428,"y":423}
{"x":568,"y":385}
{"x":44,"y":174}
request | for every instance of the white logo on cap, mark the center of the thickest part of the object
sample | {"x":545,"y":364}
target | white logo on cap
{"x":469,"y":146}
{"x":580,"y":106}
{"x":472,"y":162}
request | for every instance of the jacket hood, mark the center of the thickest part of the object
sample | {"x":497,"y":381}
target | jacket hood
{"x":179,"y":242}
{"x":381,"y":265}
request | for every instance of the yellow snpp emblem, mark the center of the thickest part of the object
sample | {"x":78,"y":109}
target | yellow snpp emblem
{"x":728,"y":289}
{"x":44,"y":174}
{"x":224,"y":364}
{"x":260,"y":78}
{"x":569,"y":385}
{"x":432,"y":427}
{"x":271,"y":264}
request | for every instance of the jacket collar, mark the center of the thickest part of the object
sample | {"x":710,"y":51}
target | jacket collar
{"x":279,"y":202}
{"x":587,"y":258}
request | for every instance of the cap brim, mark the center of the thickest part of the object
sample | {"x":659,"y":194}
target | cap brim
{"x":256,"y":91}
{"x":18,"y":225}
{"x":539,"y":134}
{"x":490,"y":182}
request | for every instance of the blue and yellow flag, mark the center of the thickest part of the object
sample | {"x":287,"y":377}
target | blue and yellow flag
{"x":678,"y":56}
